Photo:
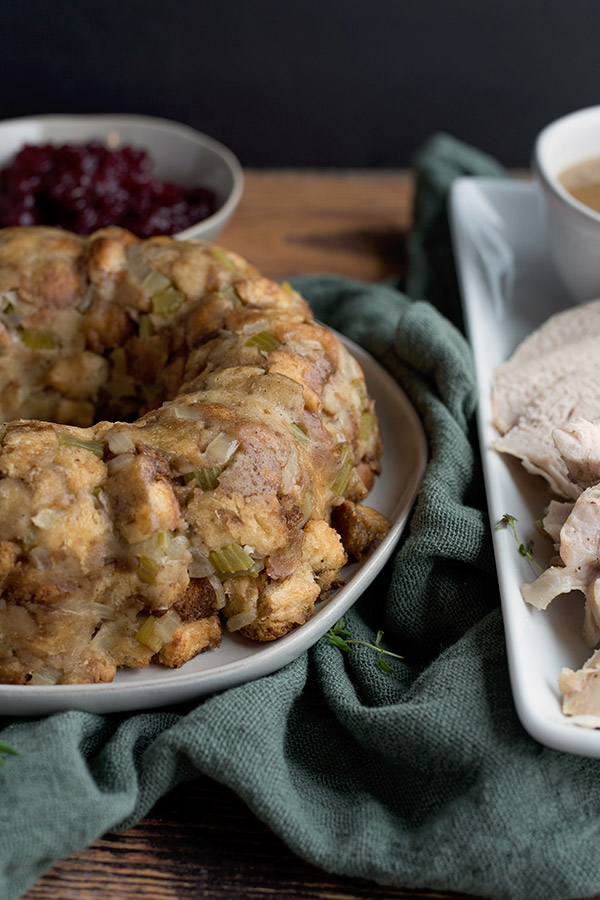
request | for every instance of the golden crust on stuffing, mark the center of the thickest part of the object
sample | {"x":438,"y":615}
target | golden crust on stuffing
{"x":234,"y":436}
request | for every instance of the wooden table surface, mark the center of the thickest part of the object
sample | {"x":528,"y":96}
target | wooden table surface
{"x":200,"y":841}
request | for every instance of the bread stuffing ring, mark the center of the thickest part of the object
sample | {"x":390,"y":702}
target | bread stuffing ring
{"x":183,"y":441}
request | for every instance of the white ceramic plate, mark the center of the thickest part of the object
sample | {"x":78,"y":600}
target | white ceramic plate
{"x":509,"y":286}
{"x":238,"y":660}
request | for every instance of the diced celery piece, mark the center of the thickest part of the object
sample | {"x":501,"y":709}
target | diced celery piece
{"x":163,"y":540}
{"x":167,"y":301}
{"x":156,"y":631}
{"x":300,"y":435}
{"x":222,"y":447}
{"x":223,"y":258}
{"x":39,"y":340}
{"x":231,"y":560}
{"x":340,"y":482}
{"x":263,"y":340}
{"x":361,"y":389}
{"x":147,"y":569}
{"x":207,"y":478}
{"x":70,"y":440}
{"x":145,"y":327}
{"x":366,"y":426}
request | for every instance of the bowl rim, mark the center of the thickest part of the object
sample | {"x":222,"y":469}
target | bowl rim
{"x":159,"y":123}
{"x":551,"y":182}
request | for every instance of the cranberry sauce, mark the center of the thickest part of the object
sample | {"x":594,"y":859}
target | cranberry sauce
{"x":82,"y":187}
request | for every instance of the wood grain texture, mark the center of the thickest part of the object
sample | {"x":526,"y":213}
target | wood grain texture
{"x":299,"y":223}
{"x":201,"y":841}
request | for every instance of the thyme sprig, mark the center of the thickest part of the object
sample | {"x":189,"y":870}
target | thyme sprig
{"x":526,"y":550}
{"x":340,"y":637}
{"x":9,"y":750}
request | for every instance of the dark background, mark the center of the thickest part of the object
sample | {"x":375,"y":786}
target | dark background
{"x":313,"y":83}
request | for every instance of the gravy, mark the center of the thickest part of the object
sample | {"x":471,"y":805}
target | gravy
{"x":583,"y":182}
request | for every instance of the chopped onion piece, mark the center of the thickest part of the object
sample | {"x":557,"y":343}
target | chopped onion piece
{"x":157,"y":546}
{"x":240,"y":620}
{"x":228,"y":292}
{"x":219,"y":590}
{"x":136,"y":263}
{"x":40,"y":557}
{"x":157,"y":631}
{"x":155,"y":282}
{"x":177,"y":546}
{"x":120,"y":442}
{"x":8,"y":300}
{"x":222,"y":448}
{"x":87,"y":299}
{"x":100,"y":498}
{"x":308,"y":504}
{"x":45,"y":676}
{"x":46,"y":518}
{"x":118,"y":463}
{"x":103,"y":610}
{"x":187,"y":412}
{"x":106,"y":637}
{"x":200,"y":566}
{"x":75,"y":604}
{"x":30,"y":539}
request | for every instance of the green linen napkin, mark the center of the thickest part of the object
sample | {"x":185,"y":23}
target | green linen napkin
{"x":419,"y":778}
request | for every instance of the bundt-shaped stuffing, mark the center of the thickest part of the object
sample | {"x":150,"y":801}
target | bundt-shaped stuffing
{"x":179,"y":431}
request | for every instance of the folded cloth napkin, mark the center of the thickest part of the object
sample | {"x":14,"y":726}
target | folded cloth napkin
{"x":418,"y":778}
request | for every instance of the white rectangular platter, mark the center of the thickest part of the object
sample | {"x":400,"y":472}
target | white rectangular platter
{"x":509,"y":286}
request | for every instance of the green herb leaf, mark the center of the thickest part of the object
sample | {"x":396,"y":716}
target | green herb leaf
{"x":339,"y":637}
{"x":336,"y":641}
{"x":9,"y":750}
{"x":526,"y":550}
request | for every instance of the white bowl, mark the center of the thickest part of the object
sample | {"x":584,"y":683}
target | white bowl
{"x":573,"y":227}
{"x":181,"y":155}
